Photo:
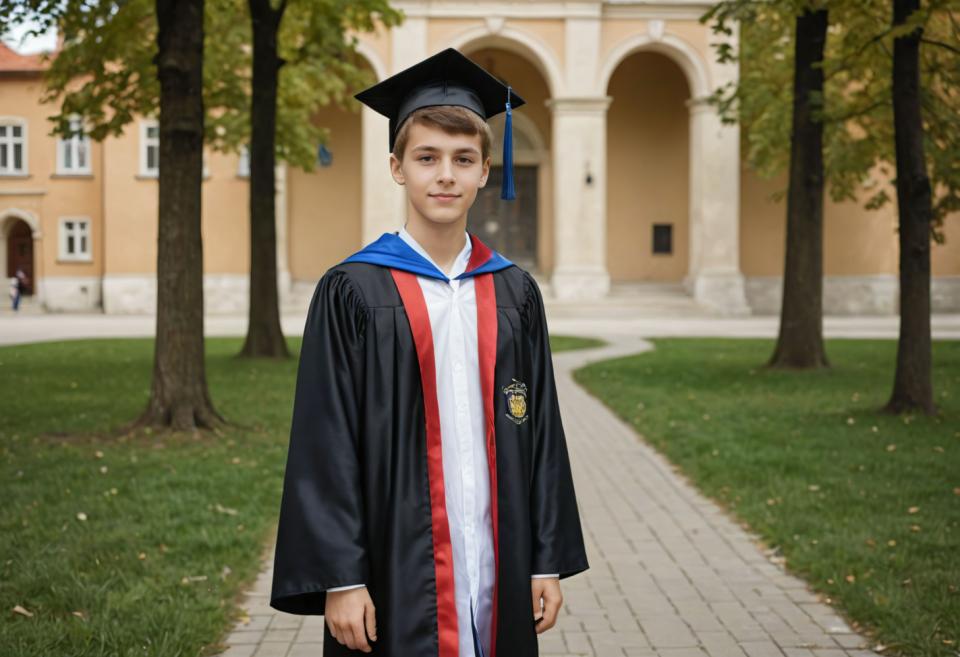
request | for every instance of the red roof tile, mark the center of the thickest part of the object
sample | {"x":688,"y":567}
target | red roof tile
{"x":12,"y":61}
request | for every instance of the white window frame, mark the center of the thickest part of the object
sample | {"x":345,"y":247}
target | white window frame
{"x":243,"y":162}
{"x":145,"y":144}
{"x":78,"y":256}
{"x":74,"y":144}
{"x":8,"y":140}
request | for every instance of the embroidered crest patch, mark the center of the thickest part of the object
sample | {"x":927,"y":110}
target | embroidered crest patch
{"x":516,"y":394}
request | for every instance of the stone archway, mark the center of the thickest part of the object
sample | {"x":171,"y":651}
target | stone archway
{"x":522,"y":229}
{"x":713,"y":274}
{"x":19,"y":232}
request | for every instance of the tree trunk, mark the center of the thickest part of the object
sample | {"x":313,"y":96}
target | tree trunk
{"x":912,"y":386}
{"x":264,"y":334}
{"x":179,"y":398}
{"x":800,"y":340}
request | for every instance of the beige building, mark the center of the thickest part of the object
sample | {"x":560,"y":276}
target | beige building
{"x":623,"y":177}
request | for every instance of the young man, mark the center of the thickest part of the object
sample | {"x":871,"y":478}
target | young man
{"x":428,"y":498}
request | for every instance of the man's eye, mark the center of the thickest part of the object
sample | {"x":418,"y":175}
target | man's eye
{"x":425,"y":157}
{"x":466,"y":160}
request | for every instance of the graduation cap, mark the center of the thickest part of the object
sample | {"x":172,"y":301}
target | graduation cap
{"x":447,"y":78}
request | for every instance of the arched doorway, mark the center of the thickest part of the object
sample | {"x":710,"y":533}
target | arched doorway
{"x":19,"y":251}
{"x":648,"y":165}
{"x":520,"y":229}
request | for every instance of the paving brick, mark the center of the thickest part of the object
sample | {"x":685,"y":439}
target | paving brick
{"x":241,"y":637}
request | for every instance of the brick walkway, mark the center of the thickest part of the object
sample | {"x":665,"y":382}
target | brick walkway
{"x":671,"y":575}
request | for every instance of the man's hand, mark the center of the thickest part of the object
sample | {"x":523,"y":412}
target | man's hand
{"x":351,"y":618}
{"x":547,"y":588}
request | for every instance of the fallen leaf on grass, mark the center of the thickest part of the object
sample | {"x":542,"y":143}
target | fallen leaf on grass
{"x":223,"y":509}
{"x":913,"y":509}
{"x":193,"y":578}
{"x":23,"y":612}
{"x":891,"y":447}
{"x":79,"y":614}
{"x":81,"y":516}
{"x":851,"y":578}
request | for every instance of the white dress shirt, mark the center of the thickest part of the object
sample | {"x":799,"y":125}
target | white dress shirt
{"x":452,"y":309}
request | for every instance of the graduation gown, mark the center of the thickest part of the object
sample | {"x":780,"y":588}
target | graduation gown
{"x":363,"y":497}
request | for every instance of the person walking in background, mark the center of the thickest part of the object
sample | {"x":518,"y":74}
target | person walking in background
{"x":18,"y":284}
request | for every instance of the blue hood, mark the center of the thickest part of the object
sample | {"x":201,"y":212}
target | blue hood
{"x":389,"y":250}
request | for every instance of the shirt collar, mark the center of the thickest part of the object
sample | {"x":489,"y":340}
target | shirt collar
{"x":460,"y":262}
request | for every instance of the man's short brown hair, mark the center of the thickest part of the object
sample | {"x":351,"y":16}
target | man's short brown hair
{"x":452,"y":119}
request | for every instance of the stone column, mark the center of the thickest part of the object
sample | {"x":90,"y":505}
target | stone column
{"x":383,"y":207}
{"x":383,"y":201}
{"x":580,"y":183}
{"x":714,"y":279}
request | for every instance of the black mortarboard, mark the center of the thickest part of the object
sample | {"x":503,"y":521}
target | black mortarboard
{"x":447,"y":78}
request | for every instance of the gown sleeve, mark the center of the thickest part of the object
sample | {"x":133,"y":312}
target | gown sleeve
{"x":557,"y":536}
{"x":321,"y":533}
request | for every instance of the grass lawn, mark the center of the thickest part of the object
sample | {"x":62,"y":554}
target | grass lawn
{"x":135,"y":546}
{"x":865,"y":507}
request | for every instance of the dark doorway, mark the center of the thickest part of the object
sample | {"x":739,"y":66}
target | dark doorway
{"x":20,"y":253}
{"x":509,"y":227}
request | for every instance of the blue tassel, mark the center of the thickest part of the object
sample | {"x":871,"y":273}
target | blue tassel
{"x":507,"y":192}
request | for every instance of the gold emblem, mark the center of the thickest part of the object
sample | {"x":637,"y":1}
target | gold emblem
{"x":516,"y":394}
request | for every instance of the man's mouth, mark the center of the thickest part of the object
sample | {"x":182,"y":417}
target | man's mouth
{"x":445,"y":195}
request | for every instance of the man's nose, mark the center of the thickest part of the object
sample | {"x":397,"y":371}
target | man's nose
{"x":446,"y":170}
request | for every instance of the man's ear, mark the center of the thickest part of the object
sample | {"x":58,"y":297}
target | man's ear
{"x":396,"y":170}
{"x":486,"y":172}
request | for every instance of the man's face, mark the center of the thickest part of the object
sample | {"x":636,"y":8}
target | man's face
{"x":441,"y":172}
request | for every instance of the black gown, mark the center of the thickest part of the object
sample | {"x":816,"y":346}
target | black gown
{"x":363,"y":490}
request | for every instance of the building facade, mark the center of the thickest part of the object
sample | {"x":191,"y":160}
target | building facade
{"x":624,"y":176}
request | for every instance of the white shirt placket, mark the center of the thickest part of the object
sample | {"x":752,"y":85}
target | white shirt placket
{"x":464,"y":444}
{"x":451,"y":306}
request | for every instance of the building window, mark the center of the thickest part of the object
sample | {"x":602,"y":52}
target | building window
{"x":663,"y":238}
{"x":243,"y":165}
{"x":73,"y":153}
{"x":75,"y":238}
{"x":150,"y":150}
{"x":13,"y":147}
{"x":149,"y":147}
